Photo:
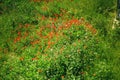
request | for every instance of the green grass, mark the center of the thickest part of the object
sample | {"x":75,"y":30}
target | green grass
{"x":114,"y":60}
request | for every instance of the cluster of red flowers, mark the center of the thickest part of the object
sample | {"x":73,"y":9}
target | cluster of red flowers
{"x":19,"y":33}
{"x":35,"y":58}
{"x":51,"y":31}
{"x":56,"y":31}
{"x":34,"y":42}
{"x":18,"y":38}
{"x":82,"y":21}
{"x":89,"y":26}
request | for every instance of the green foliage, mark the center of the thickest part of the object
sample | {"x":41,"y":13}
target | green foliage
{"x":15,"y":13}
{"x":79,"y":60}
{"x":43,"y":39}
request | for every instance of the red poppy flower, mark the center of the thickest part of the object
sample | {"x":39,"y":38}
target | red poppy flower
{"x":19,"y":33}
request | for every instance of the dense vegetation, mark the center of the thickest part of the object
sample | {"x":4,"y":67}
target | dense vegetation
{"x":59,"y":40}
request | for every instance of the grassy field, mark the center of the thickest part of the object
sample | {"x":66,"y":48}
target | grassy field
{"x":59,"y":40}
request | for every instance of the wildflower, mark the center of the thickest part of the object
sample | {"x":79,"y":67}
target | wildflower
{"x":66,"y":25}
{"x":82,"y":19}
{"x":94,"y":31}
{"x":39,"y":34}
{"x":75,"y":21}
{"x":61,"y":14}
{"x":21,"y":58}
{"x":50,"y":43}
{"x":19,"y":33}
{"x":34,"y":58}
{"x":53,"y":26}
{"x":51,"y":35}
{"x":87,"y":25}
{"x":34,"y":42}
{"x":56,"y":15}
{"x":48,"y":26}
{"x":43,"y":18}
{"x":60,"y":28}
{"x":27,"y":25}
{"x":54,"y":19}
{"x":17,"y":39}
{"x":51,"y":49}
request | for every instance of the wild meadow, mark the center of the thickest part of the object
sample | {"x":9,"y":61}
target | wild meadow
{"x":59,"y":40}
